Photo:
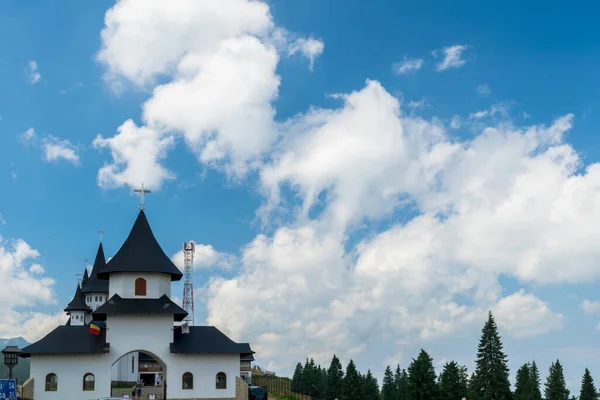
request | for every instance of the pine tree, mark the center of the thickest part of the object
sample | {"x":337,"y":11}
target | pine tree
{"x":588,"y":389}
{"x":421,"y":378}
{"x":335,"y":373}
{"x":297,"y":379}
{"x":453,"y":382}
{"x":370,"y":389}
{"x":387,"y":385}
{"x":524,"y":385}
{"x":471,"y":387}
{"x":400,"y":378}
{"x":556,"y":386}
{"x":535,"y":382}
{"x":491,"y":371}
{"x":351,"y":388}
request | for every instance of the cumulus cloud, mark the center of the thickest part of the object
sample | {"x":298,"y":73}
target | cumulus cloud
{"x":590,"y":307}
{"x":53,"y":148}
{"x":483,"y":90}
{"x":524,"y":315}
{"x":20,"y":274}
{"x":471,"y":209}
{"x":205,"y":256}
{"x":310,"y":48}
{"x":33,"y":75}
{"x":406,"y":66}
{"x":56,"y":149}
{"x":136,"y":153}
{"x":452,"y":57}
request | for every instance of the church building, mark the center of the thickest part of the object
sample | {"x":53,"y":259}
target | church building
{"x":124,"y":327}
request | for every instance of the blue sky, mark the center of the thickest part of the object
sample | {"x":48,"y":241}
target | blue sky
{"x":520,"y":66}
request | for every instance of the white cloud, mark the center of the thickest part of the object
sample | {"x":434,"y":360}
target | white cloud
{"x":28,"y":135}
{"x":310,"y":48}
{"x":524,"y":315}
{"x":452,"y":57}
{"x":56,"y":149}
{"x":53,"y":148}
{"x":455,"y":122}
{"x":508,"y":187}
{"x":136,"y":153}
{"x":33,"y":75}
{"x":590,"y":307}
{"x":483,"y":90}
{"x":2,"y":220}
{"x":20,"y":274}
{"x":205,"y":256}
{"x":406,"y":66}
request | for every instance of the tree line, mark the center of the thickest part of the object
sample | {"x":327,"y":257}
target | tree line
{"x":489,"y":381}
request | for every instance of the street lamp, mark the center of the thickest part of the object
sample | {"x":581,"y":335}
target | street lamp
{"x":11,"y":358}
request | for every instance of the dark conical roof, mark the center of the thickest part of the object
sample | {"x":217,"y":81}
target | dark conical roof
{"x":85,"y":278}
{"x":78,"y":302}
{"x":141,"y":253}
{"x":93,"y":284}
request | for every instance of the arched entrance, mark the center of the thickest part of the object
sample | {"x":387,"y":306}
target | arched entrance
{"x":139,"y":368}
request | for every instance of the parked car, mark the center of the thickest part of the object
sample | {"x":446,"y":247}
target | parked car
{"x":257,"y":393}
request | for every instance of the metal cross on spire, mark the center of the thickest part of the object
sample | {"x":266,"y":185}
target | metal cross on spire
{"x":100,"y":231}
{"x":142,"y":191}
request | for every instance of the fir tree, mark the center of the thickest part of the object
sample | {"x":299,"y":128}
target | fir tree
{"x":387,"y":385}
{"x":421,"y":378}
{"x":535,"y":382}
{"x":297,"y":379}
{"x":335,"y":373}
{"x":370,"y":388}
{"x":556,"y":386}
{"x":351,"y":384}
{"x":400,"y":378}
{"x":523,"y":387}
{"x":471,"y":387}
{"x":453,"y":382}
{"x":491,"y":371}
{"x":588,"y":389}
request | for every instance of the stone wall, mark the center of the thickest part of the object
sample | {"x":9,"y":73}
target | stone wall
{"x":241,"y":389}
{"x":27,"y":391}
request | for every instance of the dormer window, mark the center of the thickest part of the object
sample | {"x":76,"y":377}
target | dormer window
{"x":140,"y":287}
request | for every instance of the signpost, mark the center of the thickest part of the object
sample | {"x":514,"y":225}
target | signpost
{"x":8,"y":389}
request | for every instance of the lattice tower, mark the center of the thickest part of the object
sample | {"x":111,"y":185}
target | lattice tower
{"x":188,"y":284}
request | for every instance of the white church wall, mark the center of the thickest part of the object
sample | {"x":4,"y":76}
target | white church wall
{"x":150,"y":333}
{"x":204,"y":368}
{"x":70,"y":371}
{"x":122,"y":370}
{"x":123,"y":284}
{"x":95,"y":300}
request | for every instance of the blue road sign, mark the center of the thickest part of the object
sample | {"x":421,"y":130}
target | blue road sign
{"x":8,"y":389}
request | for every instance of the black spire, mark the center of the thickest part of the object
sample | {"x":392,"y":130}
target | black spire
{"x":141,"y":253}
{"x":85,"y":278}
{"x":78,"y":302}
{"x":93,"y":284}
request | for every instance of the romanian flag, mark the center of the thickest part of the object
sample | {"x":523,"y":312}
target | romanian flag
{"x":94,"y":329}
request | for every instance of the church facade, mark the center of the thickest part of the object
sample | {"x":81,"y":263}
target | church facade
{"x":122,"y":317}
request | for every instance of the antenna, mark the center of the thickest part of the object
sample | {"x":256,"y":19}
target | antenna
{"x":188,"y":284}
{"x":142,"y":191}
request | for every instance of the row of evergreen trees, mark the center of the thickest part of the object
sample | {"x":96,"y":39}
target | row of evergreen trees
{"x":489,"y":381}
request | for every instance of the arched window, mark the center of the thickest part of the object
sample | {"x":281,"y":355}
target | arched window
{"x":187,"y":381}
{"x":89,"y":381}
{"x":51,"y":383}
{"x":140,"y":287}
{"x":221,"y":380}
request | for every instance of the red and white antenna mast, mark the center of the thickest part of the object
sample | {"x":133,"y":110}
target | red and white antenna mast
{"x":188,"y":285}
